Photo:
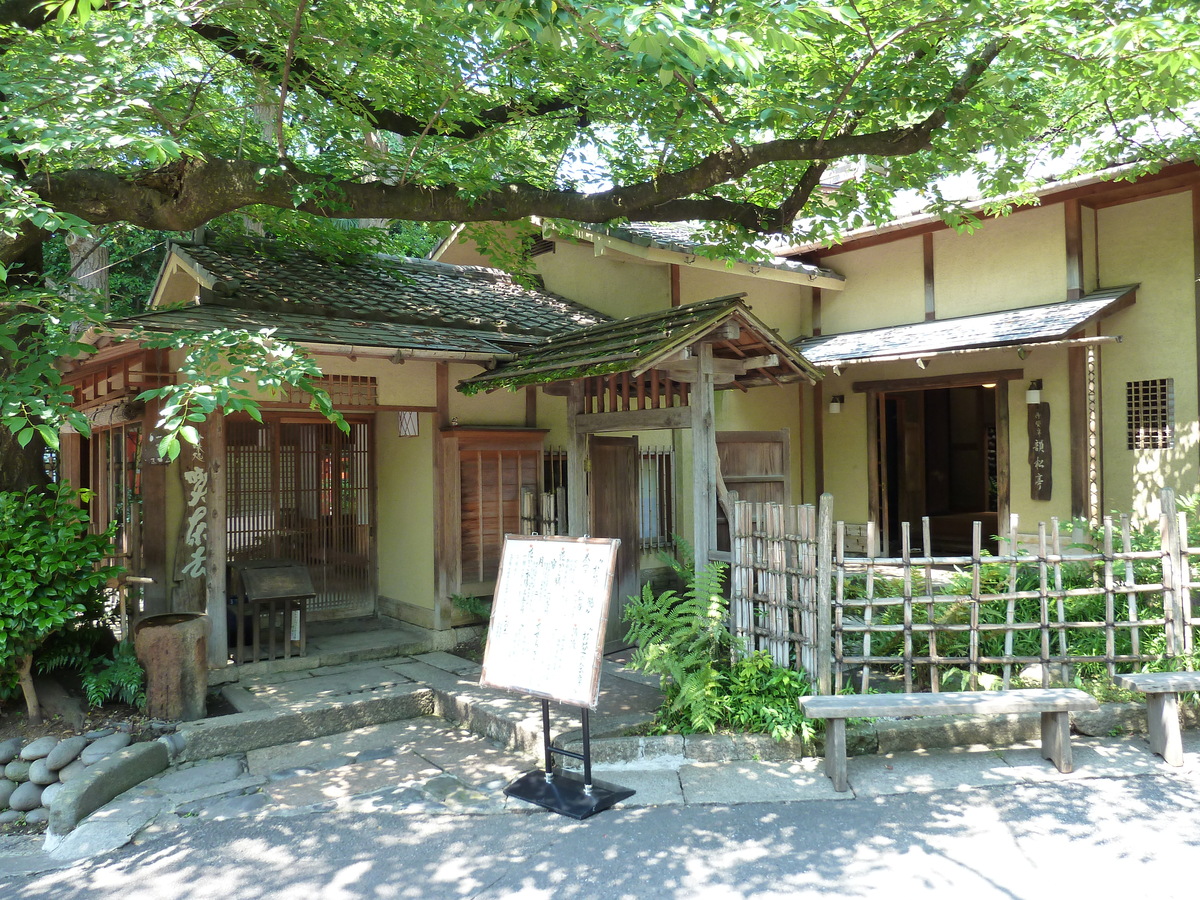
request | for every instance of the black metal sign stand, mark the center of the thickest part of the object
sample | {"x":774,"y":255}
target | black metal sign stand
{"x":564,"y":792}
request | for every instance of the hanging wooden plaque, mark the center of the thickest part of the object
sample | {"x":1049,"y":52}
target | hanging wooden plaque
{"x":1040,"y":480}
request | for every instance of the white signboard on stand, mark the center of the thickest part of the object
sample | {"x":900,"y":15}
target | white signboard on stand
{"x":548,"y":615}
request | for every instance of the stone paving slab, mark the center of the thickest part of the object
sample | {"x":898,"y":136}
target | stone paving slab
{"x":323,"y":687}
{"x":448,"y":662}
{"x":756,"y":782}
{"x":923,"y":771}
{"x":330,"y":787}
{"x":1104,"y":758}
{"x":654,"y":787}
{"x":316,"y":752}
{"x":475,"y":760}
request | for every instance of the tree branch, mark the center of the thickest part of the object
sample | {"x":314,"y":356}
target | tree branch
{"x":230,"y":43}
{"x":192,"y":191}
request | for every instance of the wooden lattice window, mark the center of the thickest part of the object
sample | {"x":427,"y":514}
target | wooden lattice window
{"x":343,"y":390}
{"x":656,"y":497}
{"x":1150,"y":414}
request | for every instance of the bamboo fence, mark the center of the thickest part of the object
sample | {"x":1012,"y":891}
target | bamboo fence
{"x":1054,"y":602}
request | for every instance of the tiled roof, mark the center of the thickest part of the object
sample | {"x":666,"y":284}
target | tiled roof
{"x":347,"y":330}
{"x":1012,"y":327}
{"x":680,"y":237}
{"x":398,"y":290}
{"x":638,"y":343}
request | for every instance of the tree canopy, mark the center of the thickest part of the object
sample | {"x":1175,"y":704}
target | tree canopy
{"x":168,"y":113}
{"x":749,"y":116}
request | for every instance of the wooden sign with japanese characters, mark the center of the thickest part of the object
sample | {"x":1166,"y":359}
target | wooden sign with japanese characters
{"x":546,"y":634}
{"x":1040,"y":482}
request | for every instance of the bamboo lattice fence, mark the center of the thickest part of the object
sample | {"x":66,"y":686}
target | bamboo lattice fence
{"x":1118,"y":600}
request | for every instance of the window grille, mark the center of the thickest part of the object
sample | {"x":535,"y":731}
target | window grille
{"x":1150,"y":414}
{"x":656,"y":497}
{"x":343,"y":390}
{"x":554,"y":493}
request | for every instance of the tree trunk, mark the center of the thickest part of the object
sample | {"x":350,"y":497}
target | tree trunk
{"x":22,"y":467}
{"x":25,"y":674}
{"x":89,"y":266}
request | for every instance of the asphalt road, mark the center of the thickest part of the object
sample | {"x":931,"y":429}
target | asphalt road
{"x":1095,"y":838}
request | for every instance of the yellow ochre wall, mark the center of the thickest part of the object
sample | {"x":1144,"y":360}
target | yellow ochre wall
{"x":1011,"y":262}
{"x":885,"y":285}
{"x":1149,"y":242}
{"x":1007,"y":263}
{"x":1021,"y":261}
{"x":405,"y":504}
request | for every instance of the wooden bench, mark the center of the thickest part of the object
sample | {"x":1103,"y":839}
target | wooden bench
{"x":1055,"y":705}
{"x":1162,"y":707}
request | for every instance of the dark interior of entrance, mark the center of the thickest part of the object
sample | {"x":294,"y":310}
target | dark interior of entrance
{"x":940,"y":461}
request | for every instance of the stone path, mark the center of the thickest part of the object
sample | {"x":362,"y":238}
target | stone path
{"x":429,"y":766}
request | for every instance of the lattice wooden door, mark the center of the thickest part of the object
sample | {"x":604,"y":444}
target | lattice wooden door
{"x":301,"y":491}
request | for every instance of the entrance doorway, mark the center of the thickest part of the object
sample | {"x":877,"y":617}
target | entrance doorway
{"x":301,"y":490}
{"x":939,"y":456}
{"x":614,"y":499}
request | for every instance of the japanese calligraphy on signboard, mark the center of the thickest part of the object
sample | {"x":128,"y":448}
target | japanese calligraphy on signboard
{"x":548,"y":616}
{"x":1040,"y":481}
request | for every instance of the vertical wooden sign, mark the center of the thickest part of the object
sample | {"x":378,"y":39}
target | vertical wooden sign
{"x":1040,"y":459}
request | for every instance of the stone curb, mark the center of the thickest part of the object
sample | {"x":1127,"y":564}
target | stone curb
{"x":241,"y":732}
{"x":103,"y":781}
{"x":866,"y":738}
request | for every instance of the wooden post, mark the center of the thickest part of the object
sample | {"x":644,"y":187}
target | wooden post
{"x":446,"y":525}
{"x":218,"y":634}
{"x":577,"y":444}
{"x":1172,"y":562}
{"x":824,"y":597}
{"x":704,"y":464}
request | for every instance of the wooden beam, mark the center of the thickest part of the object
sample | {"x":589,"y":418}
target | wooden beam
{"x":1003,"y":453}
{"x":447,"y":560}
{"x":704,"y":463}
{"x":818,"y":395}
{"x":966,"y":379}
{"x":531,"y":406}
{"x":1078,"y":423}
{"x":634,"y":420}
{"x":676,"y":295}
{"x":1097,"y":195}
{"x":442,"y":393}
{"x":724,"y":370}
{"x":930,"y":298}
{"x":1073,"y":226}
{"x":1196,"y":270}
{"x":577,"y":467}
{"x":876,"y":484}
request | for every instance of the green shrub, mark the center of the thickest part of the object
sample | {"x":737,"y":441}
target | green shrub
{"x":765,"y":698}
{"x":51,"y":575}
{"x":685,"y":640}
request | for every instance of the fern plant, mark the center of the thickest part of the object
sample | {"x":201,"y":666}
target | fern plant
{"x":685,"y":640}
{"x":121,"y":677}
